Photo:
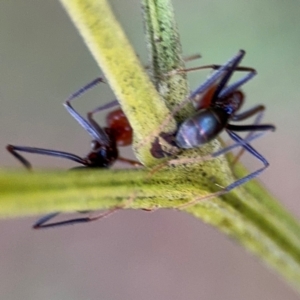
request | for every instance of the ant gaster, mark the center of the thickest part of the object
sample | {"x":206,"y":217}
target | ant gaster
{"x":104,"y":147}
{"x":216,"y":105}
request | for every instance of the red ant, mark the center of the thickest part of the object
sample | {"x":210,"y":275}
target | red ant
{"x":104,"y":147}
{"x":216,"y":105}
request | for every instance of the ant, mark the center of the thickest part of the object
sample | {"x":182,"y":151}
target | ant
{"x":216,"y":104}
{"x":104,"y":147}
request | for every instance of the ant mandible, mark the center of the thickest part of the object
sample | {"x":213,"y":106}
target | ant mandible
{"x":216,"y":105}
{"x":104,"y":147}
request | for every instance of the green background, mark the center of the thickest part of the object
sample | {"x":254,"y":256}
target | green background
{"x":135,"y":254}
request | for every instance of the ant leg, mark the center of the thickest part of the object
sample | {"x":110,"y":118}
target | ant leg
{"x":105,"y":106}
{"x":41,"y":223}
{"x":129,"y":161}
{"x":211,"y":66}
{"x":259,"y":110}
{"x":229,"y":89}
{"x":44,"y":219}
{"x":85,"y":88}
{"x":96,"y":132}
{"x":251,"y":128}
{"x":238,"y":182}
{"x":98,"y":109}
{"x":229,"y":72}
{"x":252,"y":151}
{"x":229,"y":66}
{"x":249,"y":113}
{"x":254,"y":127}
{"x":14,"y":151}
{"x":185,"y":59}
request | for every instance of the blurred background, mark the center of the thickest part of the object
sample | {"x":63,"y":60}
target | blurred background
{"x":135,"y":254}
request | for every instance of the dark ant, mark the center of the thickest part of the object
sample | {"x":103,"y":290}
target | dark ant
{"x":104,"y":147}
{"x":216,"y":105}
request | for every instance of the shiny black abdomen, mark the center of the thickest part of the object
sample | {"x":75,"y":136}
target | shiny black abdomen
{"x":201,"y":128}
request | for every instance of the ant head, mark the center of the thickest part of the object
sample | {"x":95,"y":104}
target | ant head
{"x":101,"y":156}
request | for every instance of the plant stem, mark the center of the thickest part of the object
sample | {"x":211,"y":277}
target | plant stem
{"x":248,"y":214}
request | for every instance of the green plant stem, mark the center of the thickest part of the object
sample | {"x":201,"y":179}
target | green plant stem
{"x":164,"y":50}
{"x":248,"y":214}
{"x":253,"y":218}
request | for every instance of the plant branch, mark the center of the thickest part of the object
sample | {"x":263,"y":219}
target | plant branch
{"x":248,"y":214}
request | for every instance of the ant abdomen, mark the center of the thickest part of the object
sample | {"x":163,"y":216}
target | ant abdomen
{"x":120,"y":127}
{"x":201,"y":128}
